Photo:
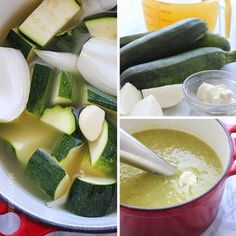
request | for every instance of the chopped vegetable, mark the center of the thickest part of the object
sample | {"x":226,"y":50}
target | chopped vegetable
{"x":91,"y":95}
{"x":129,"y":97}
{"x":91,"y":120}
{"x":102,"y":25}
{"x":149,"y":106}
{"x":167,"y":96}
{"x":103,"y":151}
{"x":15,"y":84}
{"x":73,"y":40}
{"x":19,"y":41}
{"x":61,"y":60}
{"x":65,"y":89}
{"x":40,"y":86}
{"x":101,"y":56}
{"x":67,"y":152}
{"x":48,"y":19}
{"x":61,"y":118}
{"x":47,"y":175}
{"x":91,"y":196}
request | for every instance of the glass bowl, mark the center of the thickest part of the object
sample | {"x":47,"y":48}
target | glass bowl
{"x":215,"y":77}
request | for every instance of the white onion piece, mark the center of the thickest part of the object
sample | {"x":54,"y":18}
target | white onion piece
{"x":92,"y":7}
{"x":149,"y":106}
{"x":98,"y":64}
{"x":129,"y":97}
{"x":15,"y":84}
{"x":61,"y":60}
{"x":167,"y":96}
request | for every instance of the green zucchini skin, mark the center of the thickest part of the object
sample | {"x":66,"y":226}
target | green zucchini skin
{"x":63,"y":146}
{"x":130,"y":38}
{"x":176,"y":69}
{"x":109,"y":155}
{"x":208,"y":40}
{"x":166,"y":42}
{"x":106,"y":160}
{"x":90,"y":200}
{"x":65,"y":89}
{"x":211,"y":40}
{"x":18,"y":41}
{"x":44,"y":172}
{"x":107,"y":14}
{"x":100,"y":98}
{"x":40,"y":86}
{"x":73,"y":40}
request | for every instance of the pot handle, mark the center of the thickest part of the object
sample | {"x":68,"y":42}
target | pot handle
{"x":232,"y":129}
{"x":27,"y":226}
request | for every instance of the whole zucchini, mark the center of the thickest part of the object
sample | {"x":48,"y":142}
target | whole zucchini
{"x":130,"y":38}
{"x":176,"y":69}
{"x":208,"y":40}
{"x":166,"y":42}
{"x":211,"y":40}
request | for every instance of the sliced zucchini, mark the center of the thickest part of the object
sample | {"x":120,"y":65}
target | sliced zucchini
{"x":102,"y":25}
{"x":68,"y":152}
{"x":103,"y":151}
{"x":48,"y":19}
{"x":40,"y":85}
{"x":91,"y":196}
{"x":60,"y":118}
{"x":19,"y":41}
{"x":91,"y":95}
{"x":64,"y":92}
{"x":47,"y":175}
{"x":73,"y":40}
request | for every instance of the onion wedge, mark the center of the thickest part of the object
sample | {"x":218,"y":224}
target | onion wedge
{"x":61,"y":60}
{"x":98,"y":64}
{"x":15,"y":84}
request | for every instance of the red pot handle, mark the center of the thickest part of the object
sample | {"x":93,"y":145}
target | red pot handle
{"x":232,"y":129}
{"x":27,"y":227}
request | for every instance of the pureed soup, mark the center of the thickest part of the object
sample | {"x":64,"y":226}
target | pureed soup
{"x":198,"y":169}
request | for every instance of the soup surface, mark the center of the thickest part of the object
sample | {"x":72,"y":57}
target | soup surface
{"x":198,"y":168}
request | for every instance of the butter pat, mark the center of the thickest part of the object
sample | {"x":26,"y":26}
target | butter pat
{"x":215,"y":94}
{"x":187,"y":178}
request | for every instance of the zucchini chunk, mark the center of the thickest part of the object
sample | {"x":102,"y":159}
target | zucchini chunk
{"x":64,"y":92}
{"x":73,"y":40}
{"x":103,"y":151}
{"x":19,"y":41}
{"x":91,"y":196}
{"x":40,"y":86}
{"x":60,"y":118}
{"x":68,"y":152}
{"x":48,"y":19}
{"x":90,"y":95}
{"x":102,"y":25}
{"x":47,"y":175}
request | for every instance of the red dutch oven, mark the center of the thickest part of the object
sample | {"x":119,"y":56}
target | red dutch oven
{"x":190,"y":218}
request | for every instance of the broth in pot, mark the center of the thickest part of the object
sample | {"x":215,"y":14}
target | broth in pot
{"x":198,"y":169}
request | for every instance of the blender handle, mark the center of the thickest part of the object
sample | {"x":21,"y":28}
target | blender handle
{"x":27,"y":226}
{"x":232,"y":129}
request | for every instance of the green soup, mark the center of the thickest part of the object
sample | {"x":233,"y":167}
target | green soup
{"x":188,"y":153}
